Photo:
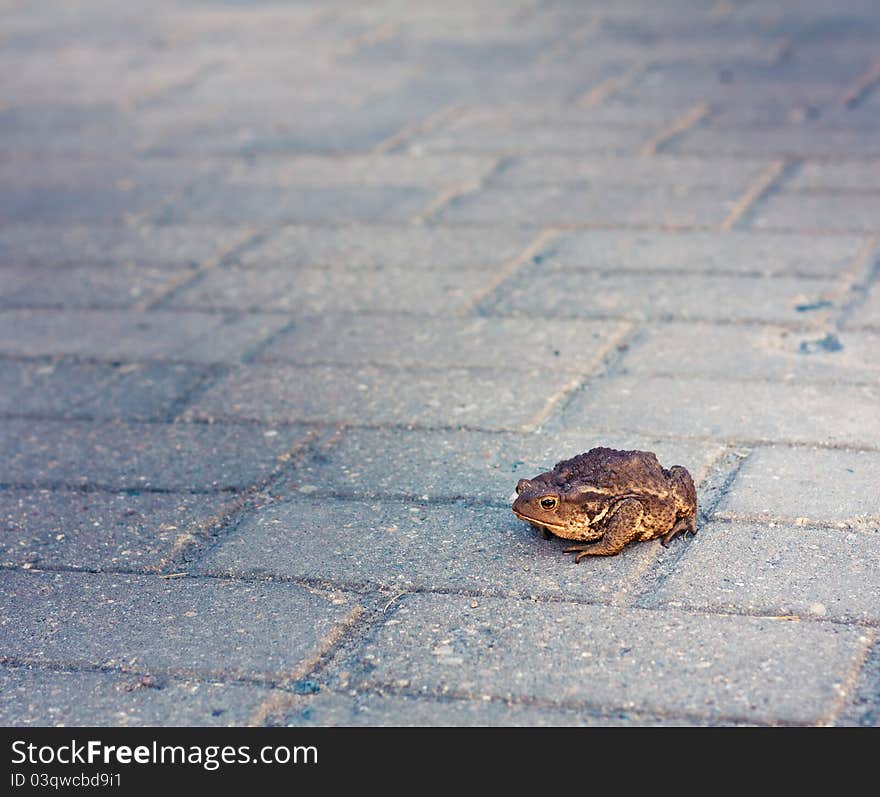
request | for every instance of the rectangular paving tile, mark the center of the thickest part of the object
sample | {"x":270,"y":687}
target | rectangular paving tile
{"x":359,"y":246}
{"x":868,"y":312}
{"x":317,"y":171}
{"x":518,"y":344}
{"x":95,"y":390}
{"x":856,"y":212}
{"x":175,"y":246}
{"x":31,"y":697}
{"x":321,"y":291}
{"x":334,"y":709}
{"x":863,"y":707}
{"x":725,"y":252}
{"x":190,"y":336}
{"x":123,"y":175}
{"x":60,"y":203}
{"x":120,"y":285}
{"x":824,"y":485}
{"x":507,"y":137}
{"x":709,"y":297}
{"x":749,"y":81}
{"x":407,"y":546}
{"x":249,"y":128}
{"x":544,"y":170}
{"x":747,"y":411}
{"x":782,"y":140}
{"x":778,"y":570}
{"x":97,"y":530}
{"x":764,"y":352}
{"x":747,"y":668}
{"x":201,"y":627}
{"x":594,"y":205}
{"x":255,"y":203}
{"x":141,"y":456}
{"x":854,"y":175}
{"x":481,"y":466}
{"x":510,"y":112}
{"x":492,"y":399}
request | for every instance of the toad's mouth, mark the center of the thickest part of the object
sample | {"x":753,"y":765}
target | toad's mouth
{"x":540,"y":522}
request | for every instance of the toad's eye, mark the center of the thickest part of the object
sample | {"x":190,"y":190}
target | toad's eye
{"x":549,"y":502}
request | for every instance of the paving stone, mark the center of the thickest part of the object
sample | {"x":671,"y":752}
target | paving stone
{"x":359,"y":246}
{"x":730,"y":410}
{"x":142,"y":456}
{"x":198,"y":627}
{"x":868,"y":312}
{"x":573,"y":346}
{"x":760,"y":352}
{"x":863,"y":707}
{"x":544,"y":170}
{"x":100,"y":75}
{"x":120,"y":286}
{"x":64,"y":204}
{"x":255,"y":203}
{"x":511,"y":112}
{"x":594,"y":205}
{"x":97,"y":531}
{"x":189,"y":336}
{"x":491,"y":399}
{"x":30,"y":697}
{"x":481,"y":466}
{"x":342,"y":710}
{"x":711,"y":48}
{"x":245,"y":131}
{"x":851,"y":175}
{"x":738,"y":252}
{"x":780,"y":141}
{"x":740,"y":668}
{"x":824,"y":485}
{"x":98,"y":390}
{"x":440,"y":53}
{"x":109,"y":174}
{"x":314,"y":171}
{"x":825,"y":212}
{"x":506,"y":138}
{"x":697,"y":297}
{"x":73,"y":190}
{"x":778,"y":570}
{"x":313,"y":290}
{"x":645,"y":24}
{"x":177,"y":246}
{"x":535,"y":84}
{"x":746,"y":82}
{"x":414,"y":547}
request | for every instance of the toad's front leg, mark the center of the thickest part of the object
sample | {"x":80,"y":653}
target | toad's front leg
{"x":624,"y":526}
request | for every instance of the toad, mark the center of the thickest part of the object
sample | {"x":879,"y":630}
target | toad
{"x":606,"y":498}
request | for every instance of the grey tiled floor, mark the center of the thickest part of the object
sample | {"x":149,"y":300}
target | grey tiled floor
{"x":292,"y":294}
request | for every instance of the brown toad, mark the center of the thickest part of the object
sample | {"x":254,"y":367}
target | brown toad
{"x":609,"y":498}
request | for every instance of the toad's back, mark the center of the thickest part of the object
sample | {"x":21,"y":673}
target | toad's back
{"x":615,"y":471}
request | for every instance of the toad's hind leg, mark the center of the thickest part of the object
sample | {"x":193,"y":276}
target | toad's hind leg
{"x":624,"y":526}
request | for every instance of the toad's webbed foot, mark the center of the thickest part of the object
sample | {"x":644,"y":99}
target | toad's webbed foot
{"x":682,"y":526}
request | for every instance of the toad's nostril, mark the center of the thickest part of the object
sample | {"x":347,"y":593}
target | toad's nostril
{"x":521,"y":485}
